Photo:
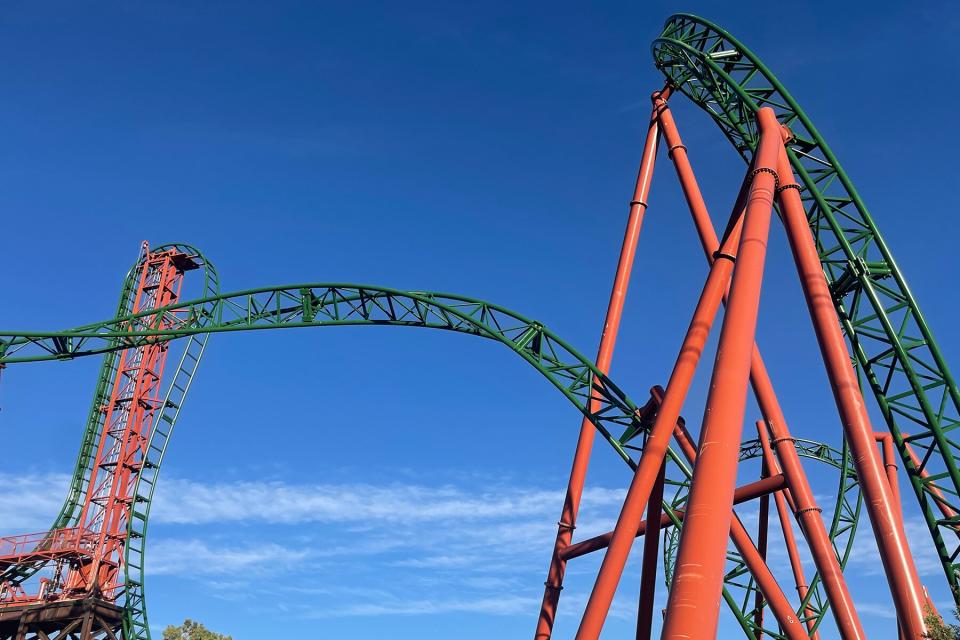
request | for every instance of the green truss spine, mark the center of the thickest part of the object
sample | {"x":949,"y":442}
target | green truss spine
{"x":340,"y":305}
{"x":345,"y":304}
{"x":891,"y":342}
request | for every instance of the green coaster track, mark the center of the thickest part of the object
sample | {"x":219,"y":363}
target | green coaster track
{"x":309,"y":305}
{"x":892,"y":344}
{"x":893,"y":347}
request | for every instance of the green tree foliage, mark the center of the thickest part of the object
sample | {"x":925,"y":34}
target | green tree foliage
{"x":937,"y":629}
{"x":191,"y":630}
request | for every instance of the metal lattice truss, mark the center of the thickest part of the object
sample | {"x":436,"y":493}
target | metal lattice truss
{"x":893,"y":347}
{"x":892,"y":344}
{"x":317,"y":305}
{"x":614,"y":415}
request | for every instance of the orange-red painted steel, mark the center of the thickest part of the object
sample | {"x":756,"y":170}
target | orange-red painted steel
{"x":806,"y":510}
{"x":809,"y":513}
{"x":705,"y":229}
{"x":655,"y":447}
{"x":651,"y":547}
{"x":747,"y":492}
{"x":889,"y":457}
{"x":884,"y":516}
{"x":790,"y":542}
{"x":693,"y":604}
{"x":581,"y":458}
{"x":779,"y":606}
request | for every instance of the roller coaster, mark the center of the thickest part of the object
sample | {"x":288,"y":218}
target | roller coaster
{"x":83,"y":578}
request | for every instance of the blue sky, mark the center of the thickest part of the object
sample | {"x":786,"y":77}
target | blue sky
{"x":382,"y":481}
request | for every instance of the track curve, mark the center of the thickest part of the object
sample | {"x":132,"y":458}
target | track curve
{"x":893,"y":346}
{"x":316,"y":305}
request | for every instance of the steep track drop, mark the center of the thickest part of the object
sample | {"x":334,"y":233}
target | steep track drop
{"x":893,"y":346}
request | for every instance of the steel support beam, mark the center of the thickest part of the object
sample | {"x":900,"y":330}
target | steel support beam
{"x":745,"y":493}
{"x":655,"y":446}
{"x":651,"y":549}
{"x":766,"y":583}
{"x":693,"y":604}
{"x":884,"y":517}
{"x":608,"y":339}
{"x":808,"y":513}
{"x":785,"y":514}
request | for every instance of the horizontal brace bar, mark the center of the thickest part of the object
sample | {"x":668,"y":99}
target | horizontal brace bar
{"x":745,"y":493}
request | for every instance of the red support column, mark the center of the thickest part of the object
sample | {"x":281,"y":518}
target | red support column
{"x":651,"y":549}
{"x":762,"y":529}
{"x":581,"y":457}
{"x":808,"y":512}
{"x":785,"y":514}
{"x":656,"y":444}
{"x":655,"y":449}
{"x":693,"y":605}
{"x":779,"y":606}
{"x":887,"y":528}
{"x":890,"y":466}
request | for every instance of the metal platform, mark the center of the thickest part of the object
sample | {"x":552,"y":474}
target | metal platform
{"x":88,"y":619}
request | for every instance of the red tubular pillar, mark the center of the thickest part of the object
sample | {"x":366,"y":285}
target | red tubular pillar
{"x":581,"y":456}
{"x":808,"y":512}
{"x":887,"y":528}
{"x":788,"y":538}
{"x":655,"y":447}
{"x":693,"y":605}
{"x":779,"y":606}
{"x":651,"y":548}
{"x":890,"y":466}
{"x":766,"y":582}
{"x":762,"y":530}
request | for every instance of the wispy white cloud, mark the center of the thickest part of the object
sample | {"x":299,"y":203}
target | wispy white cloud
{"x":878,"y":610}
{"x":483,"y":541}
{"x":499,"y":604}
{"x":496,"y":605}
{"x":865,"y":557}
{"x":448,"y":549}
{"x":187,"y":502}
{"x":196,"y":557}
{"x":474,"y":547}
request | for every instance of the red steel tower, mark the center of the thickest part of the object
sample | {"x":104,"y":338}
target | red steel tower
{"x":84,"y":564}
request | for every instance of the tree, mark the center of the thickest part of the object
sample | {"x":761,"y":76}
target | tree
{"x":937,"y":629}
{"x":191,"y":630}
